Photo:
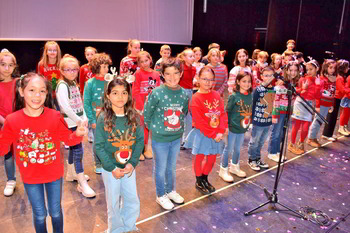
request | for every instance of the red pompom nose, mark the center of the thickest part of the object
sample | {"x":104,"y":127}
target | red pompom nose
{"x":124,"y":154}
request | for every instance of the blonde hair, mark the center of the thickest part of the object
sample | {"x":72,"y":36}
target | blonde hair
{"x":91,"y":48}
{"x":262,"y":54}
{"x":44,"y":59}
{"x":6,"y":53}
{"x":165,"y":47}
{"x":144,"y":53}
{"x":130,"y":43}
{"x":214,"y":50}
{"x":182,"y":54}
{"x":67,"y":58}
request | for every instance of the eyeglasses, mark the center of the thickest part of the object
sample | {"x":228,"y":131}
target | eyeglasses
{"x":207,"y":80}
{"x":52,"y":50}
{"x":70,"y":70}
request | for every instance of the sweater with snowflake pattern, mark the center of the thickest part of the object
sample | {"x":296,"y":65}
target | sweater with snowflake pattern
{"x":239,"y":112}
{"x":263,"y":100}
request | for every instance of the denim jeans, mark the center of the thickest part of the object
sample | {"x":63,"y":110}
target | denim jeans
{"x":36,"y":196}
{"x":76,"y":155}
{"x":166,"y":154}
{"x":317,"y":122}
{"x":10,"y":166}
{"x":233,"y":147}
{"x":259,"y":136}
{"x":121,"y":219}
{"x":276,"y":135}
{"x":188,"y":118}
{"x":98,"y":163}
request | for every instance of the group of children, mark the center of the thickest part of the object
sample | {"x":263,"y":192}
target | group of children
{"x":183,"y":103}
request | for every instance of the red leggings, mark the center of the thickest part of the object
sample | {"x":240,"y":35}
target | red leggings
{"x":344,"y":117}
{"x":205,"y":169}
{"x":145,"y":131}
{"x":304,"y":130}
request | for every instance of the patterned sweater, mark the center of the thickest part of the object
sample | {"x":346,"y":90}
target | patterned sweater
{"x":221,"y":77}
{"x":128,"y":64}
{"x":239,"y":112}
{"x":93,"y":94}
{"x":263,"y":98}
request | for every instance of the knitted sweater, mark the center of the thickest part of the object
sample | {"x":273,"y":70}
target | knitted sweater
{"x":328,"y":92}
{"x":233,"y":74}
{"x":221,"y":77}
{"x":7,"y":96}
{"x":263,"y":98}
{"x":93,"y":94}
{"x":120,"y":146}
{"x":164,"y":113}
{"x":280,"y":105}
{"x":84,"y":75}
{"x":188,"y":74}
{"x":340,"y":87}
{"x":52,"y":73}
{"x":239,"y":112}
{"x":128,"y":64}
{"x":313,"y":91}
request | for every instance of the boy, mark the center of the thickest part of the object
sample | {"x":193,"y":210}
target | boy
{"x":261,"y":64}
{"x":263,"y":98}
{"x":165,"y":52}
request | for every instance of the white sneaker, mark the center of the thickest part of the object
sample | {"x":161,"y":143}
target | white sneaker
{"x":331,"y":139}
{"x":164,"y":202}
{"x":274,"y":157}
{"x":253,"y":165}
{"x":342,"y":131}
{"x":10,"y":188}
{"x":175,"y":197}
{"x":225,"y":175}
{"x":235,"y":169}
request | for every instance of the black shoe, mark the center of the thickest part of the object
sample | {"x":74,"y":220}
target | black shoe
{"x":201,"y":188}
{"x":209,"y":187}
{"x":182,"y":146}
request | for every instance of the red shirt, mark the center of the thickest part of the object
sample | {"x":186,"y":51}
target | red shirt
{"x":208,"y":113}
{"x":341,"y":89}
{"x":313,"y":91}
{"x":52,"y":73}
{"x":84,"y":75}
{"x":328,"y":92}
{"x":186,"y":80}
{"x":7,"y":96}
{"x":128,"y":64}
{"x":144,"y":83}
{"x":37,"y":144}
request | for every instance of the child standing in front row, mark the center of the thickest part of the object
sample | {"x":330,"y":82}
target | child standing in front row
{"x":164,"y":115}
{"x":119,"y":143}
{"x":210,"y":126}
{"x":93,"y":92}
{"x":36,"y":131}
{"x":165,"y":52}
{"x":239,"y":112}
{"x":146,"y":79}
{"x":263,"y":98}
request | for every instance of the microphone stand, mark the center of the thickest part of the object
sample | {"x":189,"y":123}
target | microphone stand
{"x":273,"y":197}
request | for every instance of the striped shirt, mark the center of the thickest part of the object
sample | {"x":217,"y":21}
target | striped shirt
{"x":221,"y":77}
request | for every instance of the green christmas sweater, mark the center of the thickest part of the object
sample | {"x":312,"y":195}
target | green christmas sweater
{"x":93,"y":94}
{"x":120,"y":146}
{"x":164,"y":113}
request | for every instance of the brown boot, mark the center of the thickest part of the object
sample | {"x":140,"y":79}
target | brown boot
{"x":301,"y":146}
{"x":142,"y":157}
{"x":313,"y":142}
{"x":295,"y":149}
{"x":148,"y":152}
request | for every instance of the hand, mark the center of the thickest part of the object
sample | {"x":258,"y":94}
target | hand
{"x":128,"y":169}
{"x":330,"y":110}
{"x":317,"y":81}
{"x":226,"y":133}
{"x":305,"y":85}
{"x":274,"y":120}
{"x":317,"y":110}
{"x":82,"y":129}
{"x":118,"y":173}
{"x":218,"y":137}
{"x":93,"y":126}
{"x":279,"y":83}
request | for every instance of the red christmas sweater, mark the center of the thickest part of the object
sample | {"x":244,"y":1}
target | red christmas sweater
{"x":84,"y":75}
{"x":208,"y":113}
{"x":37,"y":144}
{"x":128,"y":64}
{"x":341,"y":89}
{"x":52,"y":73}
{"x":186,"y":80}
{"x":328,"y":92}
{"x":144,"y":83}
{"x":7,"y":95}
{"x":313,"y":91}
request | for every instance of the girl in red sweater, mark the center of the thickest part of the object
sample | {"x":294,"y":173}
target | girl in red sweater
{"x":309,"y":87}
{"x":343,"y":91}
{"x":210,"y":125}
{"x":146,"y":79}
{"x":36,"y":131}
{"x":128,"y":65}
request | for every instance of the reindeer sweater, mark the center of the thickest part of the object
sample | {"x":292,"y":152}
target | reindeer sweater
{"x":263,"y":98}
{"x":93,"y":94}
{"x":120,"y":146}
{"x":164,"y":113}
{"x":239,"y":112}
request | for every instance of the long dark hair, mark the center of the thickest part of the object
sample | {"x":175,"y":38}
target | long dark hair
{"x":109,"y":115}
{"x":22,"y":82}
{"x":240,"y":76}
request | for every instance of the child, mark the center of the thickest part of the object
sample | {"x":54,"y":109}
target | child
{"x":240,"y":62}
{"x":327,"y":84}
{"x":146,"y":80}
{"x":186,"y":82}
{"x":345,"y":101}
{"x":261,"y":64}
{"x":49,"y":65}
{"x":287,"y":57}
{"x":263,"y":98}
{"x":93,"y":93}
{"x":36,"y":131}
{"x":211,"y":46}
{"x":255,"y":57}
{"x":290,"y":46}
{"x":165,"y":53}
{"x":8,"y":65}
{"x":119,"y":143}
{"x":220,"y":70}
{"x":309,"y":88}
{"x":198,"y":65}
{"x":128,"y":65}
{"x":164,"y":114}
{"x":209,"y":127}
{"x":239,"y":111}
{"x":280,"y":107}
{"x":72,"y":108}
{"x":342,"y":69}
{"x":276,"y":62}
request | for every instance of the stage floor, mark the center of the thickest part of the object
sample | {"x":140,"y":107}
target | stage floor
{"x":320,"y":179}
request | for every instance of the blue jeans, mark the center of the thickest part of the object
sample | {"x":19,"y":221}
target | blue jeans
{"x":317,"y":122}
{"x":10,"y":166}
{"x":276,"y":135}
{"x":165,"y":165}
{"x":98,"y":163}
{"x":259,"y":136}
{"x":233,"y":147}
{"x":188,"y":117}
{"x":76,"y":155}
{"x":121,"y":219}
{"x":36,"y":196}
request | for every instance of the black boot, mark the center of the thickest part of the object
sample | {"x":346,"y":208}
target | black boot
{"x":206,"y":183}
{"x":200,"y":186}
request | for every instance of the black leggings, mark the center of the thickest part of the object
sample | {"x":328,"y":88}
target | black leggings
{"x":332,"y":120}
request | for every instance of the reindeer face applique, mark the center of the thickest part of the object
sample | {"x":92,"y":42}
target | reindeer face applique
{"x":123,"y":143}
{"x":268,"y":101}
{"x":213,"y":113}
{"x":246,"y":112}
